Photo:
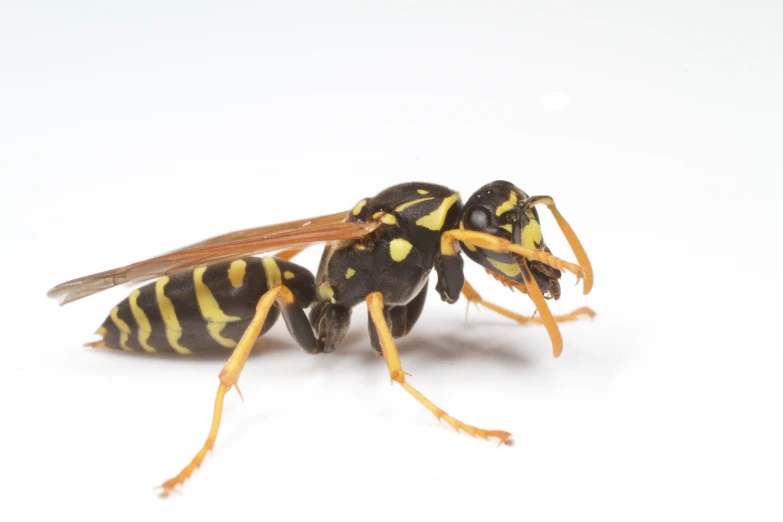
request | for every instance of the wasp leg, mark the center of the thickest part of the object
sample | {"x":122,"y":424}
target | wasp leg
{"x":473,"y":296}
{"x":230,"y":372}
{"x":404,"y":317}
{"x":384,"y":334}
{"x":331,"y":323}
{"x":400,"y":319}
{"x":498,"y":244}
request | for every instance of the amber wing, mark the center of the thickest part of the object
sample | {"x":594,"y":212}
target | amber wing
{"x":227,"y":247}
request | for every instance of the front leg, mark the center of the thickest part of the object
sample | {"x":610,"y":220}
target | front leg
{"x":451,"y":278}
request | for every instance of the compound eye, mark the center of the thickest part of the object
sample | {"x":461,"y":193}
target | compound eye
{"x":479,"y":218}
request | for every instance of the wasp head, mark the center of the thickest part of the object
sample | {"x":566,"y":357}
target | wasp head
{"x":501,"y":209}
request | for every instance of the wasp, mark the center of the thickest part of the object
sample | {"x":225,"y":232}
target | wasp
{"x":219,"y":296}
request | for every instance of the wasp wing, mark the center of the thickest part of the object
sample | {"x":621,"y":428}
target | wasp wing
{"x":280,"y":228}
{"x":227,"y":247}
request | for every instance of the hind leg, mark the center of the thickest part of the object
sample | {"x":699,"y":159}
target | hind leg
{"x":379,"y":329}
{"x":300,"y":329}
{"x":330,"y":323}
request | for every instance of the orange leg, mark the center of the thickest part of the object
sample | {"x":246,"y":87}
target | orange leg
{"x":473,"y":297}
{"x":392,"y":358}
{"x":228,"y":379}
{"x":498,"y":244}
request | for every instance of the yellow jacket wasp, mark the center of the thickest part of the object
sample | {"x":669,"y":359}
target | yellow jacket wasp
{"x":214,"y":296}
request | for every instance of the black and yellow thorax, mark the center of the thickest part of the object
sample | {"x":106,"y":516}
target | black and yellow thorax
{"x":404,"y":248}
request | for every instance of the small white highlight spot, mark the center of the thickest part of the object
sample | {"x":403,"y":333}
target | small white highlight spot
{"x":554,"y":101}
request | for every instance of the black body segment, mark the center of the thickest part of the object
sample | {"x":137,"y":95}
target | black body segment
{"x":207,"y":309}
{"x":395,"y":260}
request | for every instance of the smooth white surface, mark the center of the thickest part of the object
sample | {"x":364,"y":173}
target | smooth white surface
{"x":128,"y":131}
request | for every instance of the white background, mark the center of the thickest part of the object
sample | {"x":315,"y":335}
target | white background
{"x":128,"y":131}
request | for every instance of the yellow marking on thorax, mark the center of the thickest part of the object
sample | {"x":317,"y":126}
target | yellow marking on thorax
{"x":236,"y":273}
{"x":288,"y":275}
{"x":508,"y":205}
{"x":210,"y":310}
{"x":145,"y":329}
{"x":272,"y":271}
{"x":325,"y":292}
{"x":358,"y":208}
{"x":400,"y":208}
{"x":349,"y":273}
{"x":507,"y":227}
{"x":399,"y":249}
{"x":169,"y":315}
{"x":386,"y":219}
{"x":467,"y":245}
{"x":510,"y":270}
{"x":123,"y":327}
{"x":435,"y":219}
{"x":422,"y":191}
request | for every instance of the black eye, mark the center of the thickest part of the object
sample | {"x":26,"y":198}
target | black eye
{"x":478,"y":218}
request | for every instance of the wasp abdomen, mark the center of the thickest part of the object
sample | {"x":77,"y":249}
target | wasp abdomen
{"x":202,"y":310}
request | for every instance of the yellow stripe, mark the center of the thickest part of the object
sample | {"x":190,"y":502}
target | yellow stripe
{"x":400,"y":208}
{"x":236,"y":273}
{"x":531,"y":234}
{"x":123,"y":327}
{"x":210,"y":310}
{"x":145,"y":329}
{"x":508,"y":205}
{"x":510,"y":270}
{"x":272,"y":271}
{"x":435,"y":219}
{"x":215,"y":330}
{"x":507,"y":227}
{"x":422,"y":191}
{"x":173,"y":329}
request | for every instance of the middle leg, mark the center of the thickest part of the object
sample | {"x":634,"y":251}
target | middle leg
{"x":379,"y":321}
{"x":300,"y":329}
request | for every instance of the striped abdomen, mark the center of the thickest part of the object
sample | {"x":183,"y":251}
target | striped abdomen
{"x":203,"y":310}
